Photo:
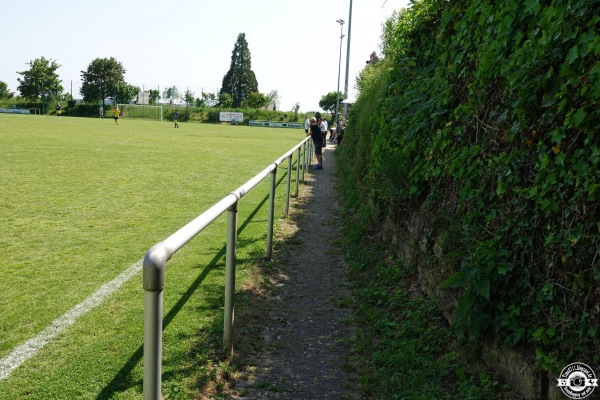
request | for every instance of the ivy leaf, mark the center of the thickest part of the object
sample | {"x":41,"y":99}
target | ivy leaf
{"x":578,"y":117}
{"x":596,"y":69}
{"x":531,"y":6}
{"x":483,"y":288}
{"x":464,"y":304}
{"x":455,"y":280}
{"x":573,"y":54}
{"x":593,"y":188}
{"x":539,"y":333}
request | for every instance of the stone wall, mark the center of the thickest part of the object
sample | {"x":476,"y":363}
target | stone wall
{"x":419,"y":245}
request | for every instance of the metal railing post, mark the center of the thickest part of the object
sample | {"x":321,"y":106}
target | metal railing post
{"x":298,"y":166}
{"x":289,"y":185}
{"x":230,"y":261}
{"x":271,"y":213}
{"x":304,"y":146}
{"x":154,"y":280}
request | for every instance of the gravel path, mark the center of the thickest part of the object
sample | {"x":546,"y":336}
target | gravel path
{"x":305,"y":354}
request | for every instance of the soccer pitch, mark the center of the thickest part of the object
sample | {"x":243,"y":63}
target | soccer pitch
{"x":82,"y":200}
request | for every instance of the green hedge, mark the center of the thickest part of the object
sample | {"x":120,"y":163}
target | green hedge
{"x":484,"y":116}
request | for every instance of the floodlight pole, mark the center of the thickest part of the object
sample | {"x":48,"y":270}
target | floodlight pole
{"x":347,"y":61}
{"x":337,"y":93}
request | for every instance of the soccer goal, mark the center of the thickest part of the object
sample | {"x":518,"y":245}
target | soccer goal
{"x":141,"y":112}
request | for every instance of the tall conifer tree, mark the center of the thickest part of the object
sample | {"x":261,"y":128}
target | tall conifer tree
{"x":240,"y":79}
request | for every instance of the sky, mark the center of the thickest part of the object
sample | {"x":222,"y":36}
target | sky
{"x":294,"y":45}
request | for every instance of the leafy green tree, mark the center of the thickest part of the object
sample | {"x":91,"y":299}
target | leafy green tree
{"x":329,"y":101}
{"x":240,"y":80}
{"x":126,"y":93}
{"x":4,"y":92}
{"x":101,"y":80}
{"x":199,"y":102}
{"x":171,"y":93}
{"x":154,"y":96}
{"x":40,"y":80}
{"x":210,"y":99}
{"x":225,"y":100}
{"x":258,"y":100}
{"x":188,"y":97}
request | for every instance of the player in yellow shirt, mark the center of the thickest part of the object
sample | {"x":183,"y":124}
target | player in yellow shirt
{"x":117,"y":113}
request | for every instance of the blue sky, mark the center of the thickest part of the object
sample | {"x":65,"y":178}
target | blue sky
{"x":294,"y":44}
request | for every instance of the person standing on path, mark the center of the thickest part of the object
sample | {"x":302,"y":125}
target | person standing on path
{"x":323,"y":127}
{"x":306,"y":126}
{"x":317,"y":138}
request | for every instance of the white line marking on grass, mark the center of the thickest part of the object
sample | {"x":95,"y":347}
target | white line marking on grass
{"x":22,"y":353}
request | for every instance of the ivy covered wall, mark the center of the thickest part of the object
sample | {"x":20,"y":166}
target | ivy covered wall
{"x":484,"y":118}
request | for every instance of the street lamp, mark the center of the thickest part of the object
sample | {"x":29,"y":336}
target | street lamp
{"x":347,"y":61}
{"x":337,"y":94}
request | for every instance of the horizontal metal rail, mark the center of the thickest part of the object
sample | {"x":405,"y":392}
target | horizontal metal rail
{"x":157,"y":256}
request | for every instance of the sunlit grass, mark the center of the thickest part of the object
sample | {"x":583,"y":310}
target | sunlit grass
{"x":82,"y":200}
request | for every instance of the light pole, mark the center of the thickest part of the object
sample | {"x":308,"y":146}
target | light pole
{"x":347,"y":61}
{"x":337,"y":94}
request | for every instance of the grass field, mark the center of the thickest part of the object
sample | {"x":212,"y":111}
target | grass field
{"x":82,"y":200}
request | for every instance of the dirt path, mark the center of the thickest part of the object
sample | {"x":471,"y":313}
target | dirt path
{"x":306,"y":338}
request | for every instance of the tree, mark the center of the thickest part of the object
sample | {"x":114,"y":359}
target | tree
{"x":274,"y":98}
{"x":188,"y":97}
{"x":240,"y":80}
{"x":199,"y":102}
{"x":154,"y":96}
{"x":171,"y":93}
{"x":125,"y":93}
{"x":4,"y":92}
{"x":329,"y":101}
{"x":225,"y":100}
{"x":295,"y":110}
{"x":257,"y":100}
{"x":210,"y":99}
{"x":101,"y":80}
{"x":40,"y":80}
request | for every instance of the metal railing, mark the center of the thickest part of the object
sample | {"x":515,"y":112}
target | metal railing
{"x":157,"y":256}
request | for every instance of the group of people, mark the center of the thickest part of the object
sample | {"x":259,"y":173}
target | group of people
{"x":317,"y":129}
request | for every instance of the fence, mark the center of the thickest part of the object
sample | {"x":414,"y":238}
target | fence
{"x":157,"y":256}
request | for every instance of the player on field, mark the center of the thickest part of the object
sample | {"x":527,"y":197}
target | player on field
{"x":58,"y":110}
{"x":175,"y":118}
{"x":116,"y":112}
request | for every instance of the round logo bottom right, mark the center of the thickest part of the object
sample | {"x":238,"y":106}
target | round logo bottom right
{"x":577,"y":381}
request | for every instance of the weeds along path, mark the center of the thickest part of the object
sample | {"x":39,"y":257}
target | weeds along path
{"x":304,"y":351}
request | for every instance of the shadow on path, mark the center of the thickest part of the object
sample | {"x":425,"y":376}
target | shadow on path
{"x":304,"y":352}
